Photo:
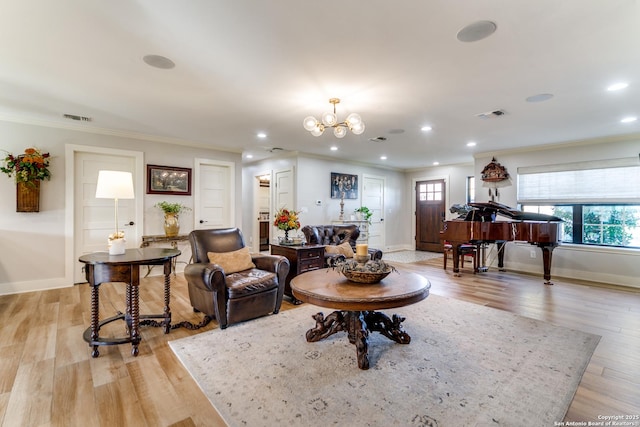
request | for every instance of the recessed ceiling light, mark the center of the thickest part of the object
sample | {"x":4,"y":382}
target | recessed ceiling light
{"x":436,"y":163}
{"x":249,"y":156}
{"x":476,"y":31}
{"x":617,"y":86}
{"x":628,"y":120}
{"x":158,"y":61}
{"x":426,"y":128}
{"x":541,"y":97}
{"x":261,"y":135}
{"x":383,"y":157}
{"x":471,"y":144}
{"x":334,"y":148}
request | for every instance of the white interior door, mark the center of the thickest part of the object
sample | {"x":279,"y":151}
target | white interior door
{"x":373,"y":198}
{"x":283,"y":194}
{"x":95,"y":218}
{"x":214,"y":195}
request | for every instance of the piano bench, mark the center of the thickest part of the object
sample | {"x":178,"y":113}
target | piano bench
{"x":463,"y":251}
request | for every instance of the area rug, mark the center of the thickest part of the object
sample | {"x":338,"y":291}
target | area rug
{"x":466,"y":365}
{"x":409,"y":256}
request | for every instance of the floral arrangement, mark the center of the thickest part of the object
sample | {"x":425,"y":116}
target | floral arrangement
{"x":115,"y":236}
{"x":28,"y":167}
{"x":287,"y":220}
{"x":174,"y":208}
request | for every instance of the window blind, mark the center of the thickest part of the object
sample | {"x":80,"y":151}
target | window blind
{"x":606,"y":181}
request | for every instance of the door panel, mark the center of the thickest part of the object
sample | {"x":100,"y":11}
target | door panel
{"x":283,"y":195}
{"x":430,"y":214}
{"x":373,"y":198}
{"x":214,"y":195}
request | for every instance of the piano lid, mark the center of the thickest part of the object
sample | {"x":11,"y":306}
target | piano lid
{"x":484,"y":211}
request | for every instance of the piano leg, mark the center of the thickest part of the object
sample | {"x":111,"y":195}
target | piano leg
{"x":547,"y":250}
{"x":456,"y":259}
{"x":500,"y":246}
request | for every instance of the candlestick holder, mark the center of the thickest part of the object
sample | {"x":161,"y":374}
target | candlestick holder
{"x":361,"y":259}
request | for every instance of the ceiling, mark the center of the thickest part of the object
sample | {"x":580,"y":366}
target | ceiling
{"x":243,"y":67}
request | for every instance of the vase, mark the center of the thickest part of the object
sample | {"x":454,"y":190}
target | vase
{"x":171,"y":225}
{"x":286,"y":236}
{"x":28,"y":196}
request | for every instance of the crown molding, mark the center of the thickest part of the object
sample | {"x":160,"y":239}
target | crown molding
{"x":112,"y":132}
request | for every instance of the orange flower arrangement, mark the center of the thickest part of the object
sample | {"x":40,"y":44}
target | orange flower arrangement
{"x":287,"y":220}
{"x":28,"y":167}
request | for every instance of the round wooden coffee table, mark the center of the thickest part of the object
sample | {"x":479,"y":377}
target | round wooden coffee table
{"x":356,"y":304}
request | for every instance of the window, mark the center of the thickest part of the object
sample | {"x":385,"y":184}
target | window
{"x":471,"y":189}
{"x":430,"y":192}
{"x":599,"y":201}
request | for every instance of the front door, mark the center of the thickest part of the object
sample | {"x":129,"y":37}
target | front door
{"x":430,"y":214}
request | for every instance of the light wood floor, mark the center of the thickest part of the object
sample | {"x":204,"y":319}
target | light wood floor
{"x":48,"y":378}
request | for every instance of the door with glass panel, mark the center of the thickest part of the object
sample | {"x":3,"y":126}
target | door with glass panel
{"x":430,"y":214}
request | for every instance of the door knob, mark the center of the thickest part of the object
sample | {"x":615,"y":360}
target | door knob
{"x":130,"y":223}
{"x":202,"y":221}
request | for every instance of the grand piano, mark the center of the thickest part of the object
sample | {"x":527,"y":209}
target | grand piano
{"x":480,"y":227}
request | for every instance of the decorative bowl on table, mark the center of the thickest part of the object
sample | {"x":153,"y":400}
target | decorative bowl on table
{"x":369,"y":273}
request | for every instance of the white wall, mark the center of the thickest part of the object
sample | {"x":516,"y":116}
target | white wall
{"x":32,"y":248}
{"x":608,"y":265}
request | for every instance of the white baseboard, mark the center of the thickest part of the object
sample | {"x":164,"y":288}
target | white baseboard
{"x":33,"y":285}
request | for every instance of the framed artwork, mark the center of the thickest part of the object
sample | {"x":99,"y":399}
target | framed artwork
{"x":344,"y":183}
{"x":168,"y":180}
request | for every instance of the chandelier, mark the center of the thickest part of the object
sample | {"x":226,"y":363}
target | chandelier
{"x":353,"y":122}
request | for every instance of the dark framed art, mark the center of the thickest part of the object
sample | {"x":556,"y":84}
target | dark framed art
{"x":168,"y":180}
{"x":344,"y":183}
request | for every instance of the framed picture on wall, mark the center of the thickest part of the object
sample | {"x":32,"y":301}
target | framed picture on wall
{"x":344,"y":183}
{"x":168,"y":180}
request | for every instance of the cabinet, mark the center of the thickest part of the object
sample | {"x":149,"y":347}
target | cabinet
{"x":264,"y":235}
{"x":301,"y":259}
{"x":362,"y":225}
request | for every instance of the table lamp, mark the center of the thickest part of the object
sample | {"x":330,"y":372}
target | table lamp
{"x":115,"y":185}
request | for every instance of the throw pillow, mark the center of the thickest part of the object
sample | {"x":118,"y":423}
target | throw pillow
{"x":343,"y":248}
{"x":232,"y":262}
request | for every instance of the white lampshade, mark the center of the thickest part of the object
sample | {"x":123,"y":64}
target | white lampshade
{"x":114,"y":185}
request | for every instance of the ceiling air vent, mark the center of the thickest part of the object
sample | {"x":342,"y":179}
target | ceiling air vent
{"x":378,"y":139}
{"x":491,"y":114}
{"x":78,"y":118}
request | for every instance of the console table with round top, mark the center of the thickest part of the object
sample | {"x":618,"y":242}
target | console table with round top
{"x":103,"y":268}
{"x":355,"y":305}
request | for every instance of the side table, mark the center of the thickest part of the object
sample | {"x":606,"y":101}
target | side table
{"x":103,"y":268}
{"x":301,"y":258}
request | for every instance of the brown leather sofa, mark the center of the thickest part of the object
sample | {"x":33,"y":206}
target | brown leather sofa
{"x":336,"y":234}
{"x":238,"y":296}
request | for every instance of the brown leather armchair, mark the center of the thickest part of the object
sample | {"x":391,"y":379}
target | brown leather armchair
{"x":239,"y":296}
{"x":336,"y":235}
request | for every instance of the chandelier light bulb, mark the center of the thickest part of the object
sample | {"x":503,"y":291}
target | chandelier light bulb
{"x":318,"y":130}
{"x":354,"y":119}
{"x":329,"y":119}
{"x":310,"y":123}
{"x":358,"y":129}
{"x":339,"y":131}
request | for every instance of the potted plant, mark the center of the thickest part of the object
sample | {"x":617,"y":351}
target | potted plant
{"x":364,"y":213}
{"x":171,"y":216}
